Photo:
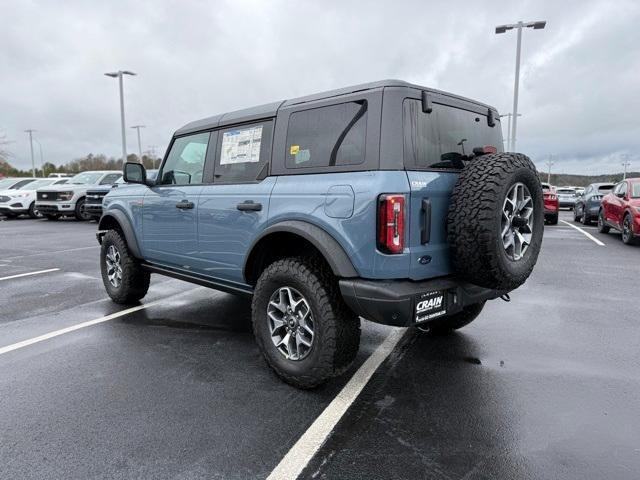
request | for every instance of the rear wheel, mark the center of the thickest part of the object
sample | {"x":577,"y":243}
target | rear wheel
{"x":302,"y":326}
{"x":585,"y":218}
{"x":576,"y":213}
{"x":602,"y":227}
{"x":627,"y":231}
{"x":496,"y":220}
{"x":123,"y":277}
{"x":447,"y":325}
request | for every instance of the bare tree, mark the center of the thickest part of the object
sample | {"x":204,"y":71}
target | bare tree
{"x":4,"y":152}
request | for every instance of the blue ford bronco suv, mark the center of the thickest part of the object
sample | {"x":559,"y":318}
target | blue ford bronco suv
{"x":387,"y":201}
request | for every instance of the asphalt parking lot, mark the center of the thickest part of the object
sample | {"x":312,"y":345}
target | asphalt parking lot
{"x":546,"y":386}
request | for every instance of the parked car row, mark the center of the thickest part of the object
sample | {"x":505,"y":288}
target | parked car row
{"x":79,"y":196}
{"x":52,"y":197}
{"x":613,"y":206}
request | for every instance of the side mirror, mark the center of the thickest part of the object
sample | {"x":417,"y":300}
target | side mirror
{"x":620,"y":194}
{"x":134,"y":172}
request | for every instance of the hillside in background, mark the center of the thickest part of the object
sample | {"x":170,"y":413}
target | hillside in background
{"x":560,"y":179}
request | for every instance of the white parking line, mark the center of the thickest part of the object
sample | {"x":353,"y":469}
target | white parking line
{"x":73,"y":328}
{"x":586,"y":234}
{"x":306,"y":447}
{"x":29,"y":274}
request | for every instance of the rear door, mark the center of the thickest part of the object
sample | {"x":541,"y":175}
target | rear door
{"x":434,"y":146}
{"x":169,"y":223}
{"x":234,"y":209}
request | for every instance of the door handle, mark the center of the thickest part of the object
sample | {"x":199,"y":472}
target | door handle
{"x":249,"y":206}
{"x":185,"y":205}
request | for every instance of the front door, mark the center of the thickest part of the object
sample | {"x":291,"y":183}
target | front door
{"x":170,"y":209}
{"x":234,"y":209}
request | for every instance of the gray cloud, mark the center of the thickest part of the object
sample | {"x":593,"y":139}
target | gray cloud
{"x":580,"y":87}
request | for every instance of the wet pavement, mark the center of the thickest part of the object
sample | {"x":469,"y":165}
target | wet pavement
{"x":547,"y":386}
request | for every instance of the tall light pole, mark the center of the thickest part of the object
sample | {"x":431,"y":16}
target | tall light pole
{"x":33,"y":162}
{"x":152,"y":151}
{"x":549,"y":163}
{"x":626,"y":164}
{"x":502,"y":29}
{"x":509,"y":115}
{"x":138,"y":127}
{"x":41,"y":160}
{"x":119,"y":74}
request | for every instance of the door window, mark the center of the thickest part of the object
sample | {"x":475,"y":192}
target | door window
{"x":327,"y":136}
{"x":185,"y":162}
{"x":242,"y":153}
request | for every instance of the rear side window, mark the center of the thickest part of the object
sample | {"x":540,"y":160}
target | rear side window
{"x":242,"y":152}
{"x":605,"y":188}
{"x":440,"y":139}
{"x":327,"y":136}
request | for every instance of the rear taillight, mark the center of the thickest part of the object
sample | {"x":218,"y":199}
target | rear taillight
{"x":391,"y":219}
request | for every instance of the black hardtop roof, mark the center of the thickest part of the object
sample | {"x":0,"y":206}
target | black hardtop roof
{"x":271,"y":109}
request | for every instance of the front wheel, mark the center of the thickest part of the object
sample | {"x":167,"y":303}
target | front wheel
{"x":303,"y":328}
{"x":448,"y":324}
{"x":33,"y":213}
{"x":80,"y":213}
{"x":627,"y":231}
{"x":123,"y":277}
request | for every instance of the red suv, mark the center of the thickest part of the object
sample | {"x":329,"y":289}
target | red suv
{"x":620,"y":209}
{"x":551,"y":205}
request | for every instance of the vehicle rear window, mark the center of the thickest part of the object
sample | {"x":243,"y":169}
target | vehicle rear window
{"x":439,"y":139}
{"x":605,"y":188}
{"x":327,"y":136}
{"x":565,"y":191}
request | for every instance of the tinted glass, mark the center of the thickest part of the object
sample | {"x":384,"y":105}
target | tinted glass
{"x":635,"y":190}
{"x":242,"y":152}
{"x":327,"y":136}
{"x":21,"y":184}
{"x":605,"y":188}
{"x":110,"y":179}
{"x":439,"y":139}
{"x":623,"y":189}
{"x":185,"y":162}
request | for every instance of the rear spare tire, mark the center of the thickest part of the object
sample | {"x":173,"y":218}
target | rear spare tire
{"x":496,"y":220}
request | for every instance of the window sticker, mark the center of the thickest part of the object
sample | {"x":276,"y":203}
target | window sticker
{"x":294,"y":149}
{"x":241,"y":146}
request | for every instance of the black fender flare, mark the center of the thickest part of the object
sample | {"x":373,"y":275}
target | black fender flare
{"x":328,"y":246}
{"x":125,"y":225}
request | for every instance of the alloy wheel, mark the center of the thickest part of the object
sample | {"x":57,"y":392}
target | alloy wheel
{"x":517,"y":221}
{"x":114,"y":266}
{"x":290,"y":322}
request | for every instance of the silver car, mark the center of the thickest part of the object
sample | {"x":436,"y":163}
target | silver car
{"x":566,"y":197}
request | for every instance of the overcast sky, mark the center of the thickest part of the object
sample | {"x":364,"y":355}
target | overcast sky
{"x":579,"y":94}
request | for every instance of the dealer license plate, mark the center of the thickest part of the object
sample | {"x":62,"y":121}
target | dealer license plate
{"x":430,"y":305}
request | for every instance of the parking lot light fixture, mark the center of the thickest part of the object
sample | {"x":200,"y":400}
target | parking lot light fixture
{"x":119,"y":74}
{"x":509,"y":115}
{"x":33,"y":162}
{"x":537,"y":25}
{"x":549,"y":164}
{"x":138,"y":127}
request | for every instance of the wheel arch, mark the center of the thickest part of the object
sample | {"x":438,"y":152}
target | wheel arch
{"x":292,"y":237}
{"x":117,"y":220}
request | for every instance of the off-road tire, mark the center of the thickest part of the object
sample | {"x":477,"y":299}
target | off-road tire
{"x":79,"y":212}
{"x":602,"y":227}
{"x":52,"y":217}
{"x":630,"y":239}
{"x":474,"y":220}
{"x":33,"y":213}
{"x":135,"y":280}
{"x":553,"y":219}
{"x":447,"y":325}
{"x":336,"y":328}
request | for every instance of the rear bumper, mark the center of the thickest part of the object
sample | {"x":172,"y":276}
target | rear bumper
{"x":394,"y":302}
